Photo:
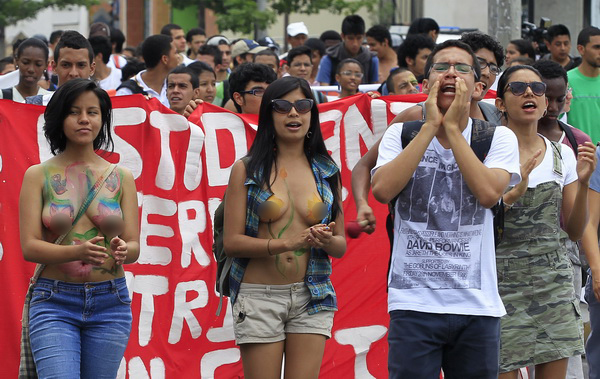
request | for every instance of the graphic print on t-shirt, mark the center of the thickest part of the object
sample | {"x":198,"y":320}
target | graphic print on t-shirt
{"x":440,"y":226}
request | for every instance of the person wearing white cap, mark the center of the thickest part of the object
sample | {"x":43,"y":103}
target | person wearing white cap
{"x":297,"y":34}
{"x":244,"y":50}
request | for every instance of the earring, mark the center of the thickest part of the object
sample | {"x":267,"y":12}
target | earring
{"x":309,"y":134}
{"x":545,"y":112}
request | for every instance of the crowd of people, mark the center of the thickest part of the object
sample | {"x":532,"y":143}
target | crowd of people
{"x":494,"y":207}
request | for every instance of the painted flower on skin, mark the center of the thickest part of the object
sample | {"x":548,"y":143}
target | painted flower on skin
{"x":59,"y":186}
{"x":317,"y":210}
{"x":106,"y":219}
{"x":61,"y":218}
{"x":113,"y":182}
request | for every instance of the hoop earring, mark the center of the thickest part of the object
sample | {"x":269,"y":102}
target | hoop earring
{"x":545,"y":112}
{"x":309,"y":134}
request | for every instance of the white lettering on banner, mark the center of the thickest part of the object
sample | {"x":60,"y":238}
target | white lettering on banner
{"x":183,"y":309}
{"x":355,"y":125}
{"x":214,"y":359}
{"x":213,"y":204}
{"x":398,"y":107}
{"x":360,"y":339}
{"x":378,"y":118}
{"x":148,"y":286}
{"x":1,"y":251}
{"x":218,"y":176}
{"x":333,"y":143}
{"x":155,"y":255}
{"x":192,"y":220}
{"x":43,"y":145}
{"x":225,"y":332}
{"x":137,"y":369}
{"x":130,"y":157}
{"x":166,"y":123}
{"x":193,"y":165}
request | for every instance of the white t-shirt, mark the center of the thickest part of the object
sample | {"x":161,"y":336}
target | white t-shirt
{"x":112,"y":81}
{"x":18,"y":98}
{"x":116,"y":57}
{"x":162,"y":96}
{"x":443,"y":258}
{"x":544,"y":172}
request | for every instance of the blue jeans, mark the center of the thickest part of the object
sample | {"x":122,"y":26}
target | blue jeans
{"x":79,"y":330}
{"x":420,"y":344}
{"x":592,"y":346}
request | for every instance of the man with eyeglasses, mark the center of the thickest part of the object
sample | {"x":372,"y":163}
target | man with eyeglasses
{"x":248,"y":83}
{"x":299,"y":64}
{"x":442,"y":289}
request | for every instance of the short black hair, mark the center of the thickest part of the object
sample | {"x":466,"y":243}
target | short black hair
{"x":186,"y":70}
{"x":423,"y":26}
{"x":453,"y":43}
{"x":346,"y":61}
{"x":390,"y":79}
{"x":132,"y":67}
{"x":32,"y":42}
{"x":353,"y":25}
{"x":55,"y":36}
{"x":524,"y":47}
{"x":584,"y":35}
{"x":411,"y":46}
{"x":201,"y":67}
{"x":6,"y":61}
{"x":118,"y":38}
{"x":550,"y":70}
{"x":297,"y":51}
{"x":269,"y":53}
{"x":380,"y":34}
{"x":315,"y":44}
{"x":212,"y":50}
{"x":330,"y":34}
{"x":478,"y":40}
{"x":166,"y":30}
{"x":154,"y":47}
{"x":504,"y":79}
{"x":101,"y":45}
{"x":523,"y":60}
{"x":59,"y":107}
{"x":246,"y":72}
{"x":557,"y":30}
{"x":73,"y":40}
{"x":194,"y":32}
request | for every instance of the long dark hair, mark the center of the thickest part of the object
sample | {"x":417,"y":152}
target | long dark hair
{"x":59,"y":106}
{"x":263,"y":152}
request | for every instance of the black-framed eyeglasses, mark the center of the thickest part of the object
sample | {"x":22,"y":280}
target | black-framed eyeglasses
{"x":461,"y":68}
{"x":258,"y":92}
{"x":519,"y":88}
{"x":284,"y":106}
{"x":494,"y":69}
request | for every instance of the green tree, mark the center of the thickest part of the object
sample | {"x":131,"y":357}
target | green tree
{"x":242,"y":16}
{"x":12,"y":11}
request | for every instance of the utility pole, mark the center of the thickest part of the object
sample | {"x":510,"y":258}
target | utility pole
{"x":261,"y":6}
{"x":504,"y":20}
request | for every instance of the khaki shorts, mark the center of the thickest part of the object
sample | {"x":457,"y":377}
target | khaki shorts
{"x":266,"y":313}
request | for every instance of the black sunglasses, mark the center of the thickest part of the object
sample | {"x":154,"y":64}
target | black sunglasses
{"x":258,"y":92}
{"x":284,"y":106}
{"x":519,"y":88}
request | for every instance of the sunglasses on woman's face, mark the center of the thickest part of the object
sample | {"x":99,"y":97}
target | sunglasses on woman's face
{"x":284,"y":106}
{"x":519,"y":88}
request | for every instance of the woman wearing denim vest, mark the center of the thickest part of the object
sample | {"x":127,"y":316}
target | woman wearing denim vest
{"x":542,"y":326}
{"x":283,"y":222}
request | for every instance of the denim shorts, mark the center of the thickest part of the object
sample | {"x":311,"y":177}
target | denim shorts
{"x":266,"y":313}
{"x":79,"y":330}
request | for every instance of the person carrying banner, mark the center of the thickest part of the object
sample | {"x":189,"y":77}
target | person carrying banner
{"x":78,"y":218}
{"x":283,"y":222}
{"x":442,"y":290}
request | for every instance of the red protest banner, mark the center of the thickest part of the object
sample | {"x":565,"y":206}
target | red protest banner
{"x":181,"y":170}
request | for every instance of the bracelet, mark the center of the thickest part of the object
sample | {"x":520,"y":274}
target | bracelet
{"x":508,"y":206}
{"x":269,"y":246}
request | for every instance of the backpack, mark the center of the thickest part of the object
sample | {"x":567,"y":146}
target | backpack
{"x":7,"y":94}
{"x":223,"y":261}
{"x":133,"y":86}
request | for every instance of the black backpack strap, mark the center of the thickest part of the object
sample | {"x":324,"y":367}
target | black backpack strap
{"x":570,"y":136}
{"x":7,"y":93}
{"x":409,"y":131}
{"x":482,"y":134}
{"x":133,"y":86}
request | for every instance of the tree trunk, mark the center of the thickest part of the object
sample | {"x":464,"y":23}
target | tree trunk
{"x":2,"y":41}
{"x":201,"y":13}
